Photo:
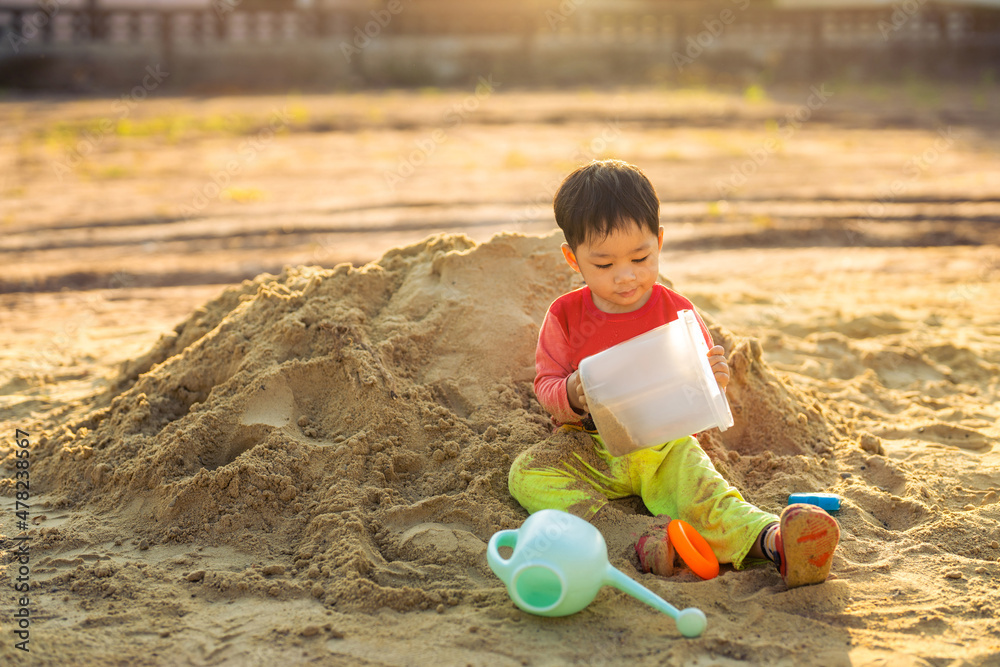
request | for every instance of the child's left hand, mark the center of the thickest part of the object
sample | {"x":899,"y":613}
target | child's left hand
{"x":717,"y":360}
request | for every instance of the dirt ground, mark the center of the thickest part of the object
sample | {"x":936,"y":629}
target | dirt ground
{"x":856,"y":240}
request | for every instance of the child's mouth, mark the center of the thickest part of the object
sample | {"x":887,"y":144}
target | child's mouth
{"x":629,"y":294}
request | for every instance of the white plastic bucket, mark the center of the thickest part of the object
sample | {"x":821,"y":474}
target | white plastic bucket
{"x":654,"y":388}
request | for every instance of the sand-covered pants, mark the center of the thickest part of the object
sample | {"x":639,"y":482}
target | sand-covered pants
{"x":573,"y":471}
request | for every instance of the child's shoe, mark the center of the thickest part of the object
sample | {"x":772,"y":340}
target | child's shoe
{"x":806,"y":541}
{"x":656,"y":553}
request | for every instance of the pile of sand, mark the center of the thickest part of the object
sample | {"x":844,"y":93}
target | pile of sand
{"x":353,"y":428}
{"x":344,"y":436}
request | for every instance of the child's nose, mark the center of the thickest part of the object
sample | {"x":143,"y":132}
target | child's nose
{"x":625,"y":275}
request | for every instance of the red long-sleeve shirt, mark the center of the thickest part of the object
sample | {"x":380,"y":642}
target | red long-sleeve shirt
{"x":574,"y":328}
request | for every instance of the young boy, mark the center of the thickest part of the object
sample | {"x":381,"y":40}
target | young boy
{"x":609,"y":214}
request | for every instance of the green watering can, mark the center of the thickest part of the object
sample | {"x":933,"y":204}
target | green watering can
{"x":559,"y":564}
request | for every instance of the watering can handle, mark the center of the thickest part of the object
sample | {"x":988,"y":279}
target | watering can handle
{"x":500,"y":565}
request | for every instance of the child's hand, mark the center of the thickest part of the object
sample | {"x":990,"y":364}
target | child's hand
{"x":717,"y":360}
{"x":574,"y":390}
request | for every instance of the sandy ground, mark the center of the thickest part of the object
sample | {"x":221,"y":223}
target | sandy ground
{"x":861,"y":252}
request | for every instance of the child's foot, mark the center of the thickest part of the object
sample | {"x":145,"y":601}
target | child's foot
{"x":806,"y":541}
{"x":656,"y":554}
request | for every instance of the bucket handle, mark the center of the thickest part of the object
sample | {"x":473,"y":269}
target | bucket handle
{"x":501,"y":566}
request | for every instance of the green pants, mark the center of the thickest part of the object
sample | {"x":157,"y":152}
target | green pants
{"x":573,"y":471}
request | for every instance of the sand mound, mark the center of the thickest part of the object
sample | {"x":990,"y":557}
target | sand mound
{"x":343,"y":436}
{"x":353,"y":427}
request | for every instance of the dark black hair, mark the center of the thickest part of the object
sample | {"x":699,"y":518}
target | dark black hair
{"x":602,"y":197}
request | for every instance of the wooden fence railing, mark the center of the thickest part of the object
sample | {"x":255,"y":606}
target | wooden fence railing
{"x":228,"y":22}
{"x":907,"y":32}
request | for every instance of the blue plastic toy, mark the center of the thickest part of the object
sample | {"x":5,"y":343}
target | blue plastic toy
{"x":828,"y":501}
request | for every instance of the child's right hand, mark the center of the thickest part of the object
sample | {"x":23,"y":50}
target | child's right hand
{"x":574,"y":391}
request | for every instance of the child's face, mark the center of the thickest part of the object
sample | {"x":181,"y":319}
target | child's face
{"x":620,"y":269}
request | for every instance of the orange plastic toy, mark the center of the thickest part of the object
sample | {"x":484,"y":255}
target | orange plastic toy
{"x":693,"y":549}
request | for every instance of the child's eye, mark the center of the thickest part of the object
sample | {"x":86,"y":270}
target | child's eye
{"x":640,"y":261}
{"x":603,"y":266}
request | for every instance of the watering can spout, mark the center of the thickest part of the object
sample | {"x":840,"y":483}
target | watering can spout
{"x":690,"y":622}
{"x":619,"y":580}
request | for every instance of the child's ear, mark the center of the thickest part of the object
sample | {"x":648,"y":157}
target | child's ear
{"x":659,"y":240}
{"x":570,"y":257}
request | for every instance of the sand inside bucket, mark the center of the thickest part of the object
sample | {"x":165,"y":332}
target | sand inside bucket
{"x":613,"y":432}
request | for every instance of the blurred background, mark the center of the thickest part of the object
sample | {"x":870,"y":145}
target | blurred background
{"x":239,"y":45}
{"x":152,"y":152}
